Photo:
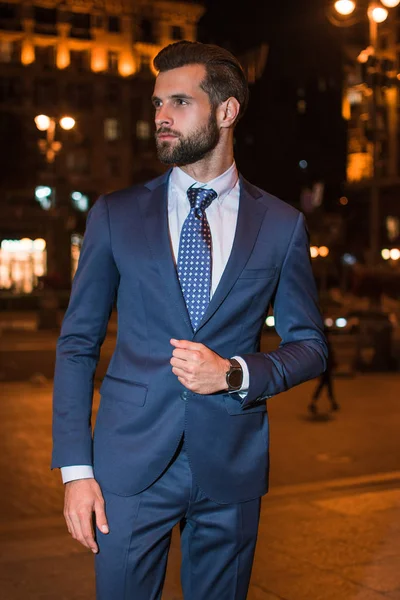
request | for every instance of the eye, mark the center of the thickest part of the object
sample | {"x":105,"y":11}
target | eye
{"x":156,"y":103}
{"x":181,"y":102}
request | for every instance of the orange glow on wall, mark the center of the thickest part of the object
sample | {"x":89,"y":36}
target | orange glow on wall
{"x":28,"y":53}
{"x":99,"y":60}
{"x":63,"y":59}
{"x":359,"y":166}
{"x":126,"y":67}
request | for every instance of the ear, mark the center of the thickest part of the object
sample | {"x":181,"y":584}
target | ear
{"x":228,"y":112}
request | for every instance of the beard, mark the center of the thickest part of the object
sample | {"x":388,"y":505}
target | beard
{"x":190,"y":149}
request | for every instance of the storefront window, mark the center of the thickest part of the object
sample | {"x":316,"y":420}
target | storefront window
{"x":22,"y":262}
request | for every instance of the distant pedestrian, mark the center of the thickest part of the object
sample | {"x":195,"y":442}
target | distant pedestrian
{"x":326,"y":380}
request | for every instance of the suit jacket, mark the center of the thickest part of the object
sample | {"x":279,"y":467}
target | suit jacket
{"x":144,"y":409}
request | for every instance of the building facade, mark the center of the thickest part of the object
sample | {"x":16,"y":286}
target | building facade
{"x":90,"y":60}
{"x":371,"y":106}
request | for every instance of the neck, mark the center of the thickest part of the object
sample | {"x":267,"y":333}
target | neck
{"x":213,"y":164}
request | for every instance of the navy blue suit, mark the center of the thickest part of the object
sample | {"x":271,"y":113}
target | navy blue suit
{"x":144,"y":410}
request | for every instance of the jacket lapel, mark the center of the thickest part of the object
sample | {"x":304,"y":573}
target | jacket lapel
{"x":250,"y":216}
{"x":154,"y":211}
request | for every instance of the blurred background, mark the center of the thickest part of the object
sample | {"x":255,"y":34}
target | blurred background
{"x":322,"y":132}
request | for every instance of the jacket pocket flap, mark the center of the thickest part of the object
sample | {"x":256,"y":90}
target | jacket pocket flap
{"x":121,"y":389}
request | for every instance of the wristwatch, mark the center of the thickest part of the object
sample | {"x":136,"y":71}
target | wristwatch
{"x":234,"y":377}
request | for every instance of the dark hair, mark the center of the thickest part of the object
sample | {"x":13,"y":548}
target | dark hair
{"x":224,"y":75}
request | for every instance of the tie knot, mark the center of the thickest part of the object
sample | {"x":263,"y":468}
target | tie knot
{"x":200,"y":199}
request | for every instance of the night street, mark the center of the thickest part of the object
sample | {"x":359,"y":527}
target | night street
{"x":330,"y":526}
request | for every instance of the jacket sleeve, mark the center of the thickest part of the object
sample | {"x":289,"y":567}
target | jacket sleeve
{"x":302,"y":353}
{"x":78,"y":349}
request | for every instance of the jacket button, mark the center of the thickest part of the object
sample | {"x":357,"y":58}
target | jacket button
{"x":184,"y":395}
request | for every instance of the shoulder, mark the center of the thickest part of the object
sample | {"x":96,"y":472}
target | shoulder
{"x":134,"y":192}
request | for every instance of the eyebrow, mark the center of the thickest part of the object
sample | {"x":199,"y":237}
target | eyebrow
{"x":174,"y":96}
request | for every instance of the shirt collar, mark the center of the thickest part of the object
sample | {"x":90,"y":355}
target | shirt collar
{"x":223,"y":184}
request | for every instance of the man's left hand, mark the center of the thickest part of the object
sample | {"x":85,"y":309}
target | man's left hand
{"x":198,"y":368}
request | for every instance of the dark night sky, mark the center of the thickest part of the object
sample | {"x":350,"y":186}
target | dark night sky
{"x":303,"y":47}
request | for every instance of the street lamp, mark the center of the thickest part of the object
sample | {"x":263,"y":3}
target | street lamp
{"x":50,"y":147}
{"x":377,"y":13}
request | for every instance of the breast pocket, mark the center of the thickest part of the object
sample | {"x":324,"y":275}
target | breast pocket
{"x":268,"y":273}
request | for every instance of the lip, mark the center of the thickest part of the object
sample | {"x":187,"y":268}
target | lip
{"x":166,"y":136}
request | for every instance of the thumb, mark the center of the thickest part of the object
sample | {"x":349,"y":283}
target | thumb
{"x":101,"y":519}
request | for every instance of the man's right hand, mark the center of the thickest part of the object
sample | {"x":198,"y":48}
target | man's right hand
{"x":83,"y":497}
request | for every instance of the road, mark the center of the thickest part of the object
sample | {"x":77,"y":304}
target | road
{"x":330,"y":526}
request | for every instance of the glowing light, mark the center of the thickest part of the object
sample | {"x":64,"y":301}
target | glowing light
{"x":385,"y":254}
{"x":341,"y":322}
{"x":42,"y":191}
{"x":349,"y":259}
{"x":343,"y":200}
{"x":395,"y":254}
{"x":28,"y":53}
{"x":314,"y":251}
{"x":42,"y":122}
{"x":345,"y":7}
{"x":25,"y":244}
{"x":323,"y":251}
{"x":379,"y":14}
{"x":329,"y":322}
{"x":390,"y":3}
{"x":270,"y":321}
{"x":39,"y":244}
{"x":67,"y":123}
{"x":303,"y":164}
{"x":126,"y":67}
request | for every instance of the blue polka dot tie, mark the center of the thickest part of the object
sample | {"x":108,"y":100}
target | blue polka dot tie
{"x":194,"y":256}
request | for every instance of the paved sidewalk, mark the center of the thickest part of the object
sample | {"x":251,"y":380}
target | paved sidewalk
{"x":339,"y":543}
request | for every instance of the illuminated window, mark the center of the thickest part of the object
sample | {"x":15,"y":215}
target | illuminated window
{"x":143,"y":131}
{"x":392,"y":228}
{"x":22,"y":262}
{"x":111,"y":129}
{"x":5,"y":51}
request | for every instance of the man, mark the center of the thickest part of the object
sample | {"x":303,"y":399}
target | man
{"x":194,"y":259}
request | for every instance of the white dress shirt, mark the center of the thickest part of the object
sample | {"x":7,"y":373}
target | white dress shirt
{"x":222,"y":218}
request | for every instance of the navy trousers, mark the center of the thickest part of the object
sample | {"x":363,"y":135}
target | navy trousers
{"x":217,"y":541}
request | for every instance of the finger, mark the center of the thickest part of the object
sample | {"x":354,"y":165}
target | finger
{"x":185,"y":344}
{"x":181,"y":353}
{"x":180,"y":373}
{"x":101,"y":519}
{"x":182,"y":364}
{"x":70,"y":525}
{"x":84,"y":530}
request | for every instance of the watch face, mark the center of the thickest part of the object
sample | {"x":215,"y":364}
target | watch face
{"x":236,"y":378}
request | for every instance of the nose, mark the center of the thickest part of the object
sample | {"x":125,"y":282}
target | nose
{"x":162,"y":117}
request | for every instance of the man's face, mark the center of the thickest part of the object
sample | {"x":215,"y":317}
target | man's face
{"x":186,"y":125}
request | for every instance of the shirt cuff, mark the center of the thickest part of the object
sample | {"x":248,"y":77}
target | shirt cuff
{"x":76,"y":472}
{"x":246,"y":377}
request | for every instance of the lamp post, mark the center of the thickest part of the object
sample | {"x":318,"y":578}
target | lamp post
{"x":50,"y":147}
{"x":58,"y":236}
{"x":377,"y":13}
